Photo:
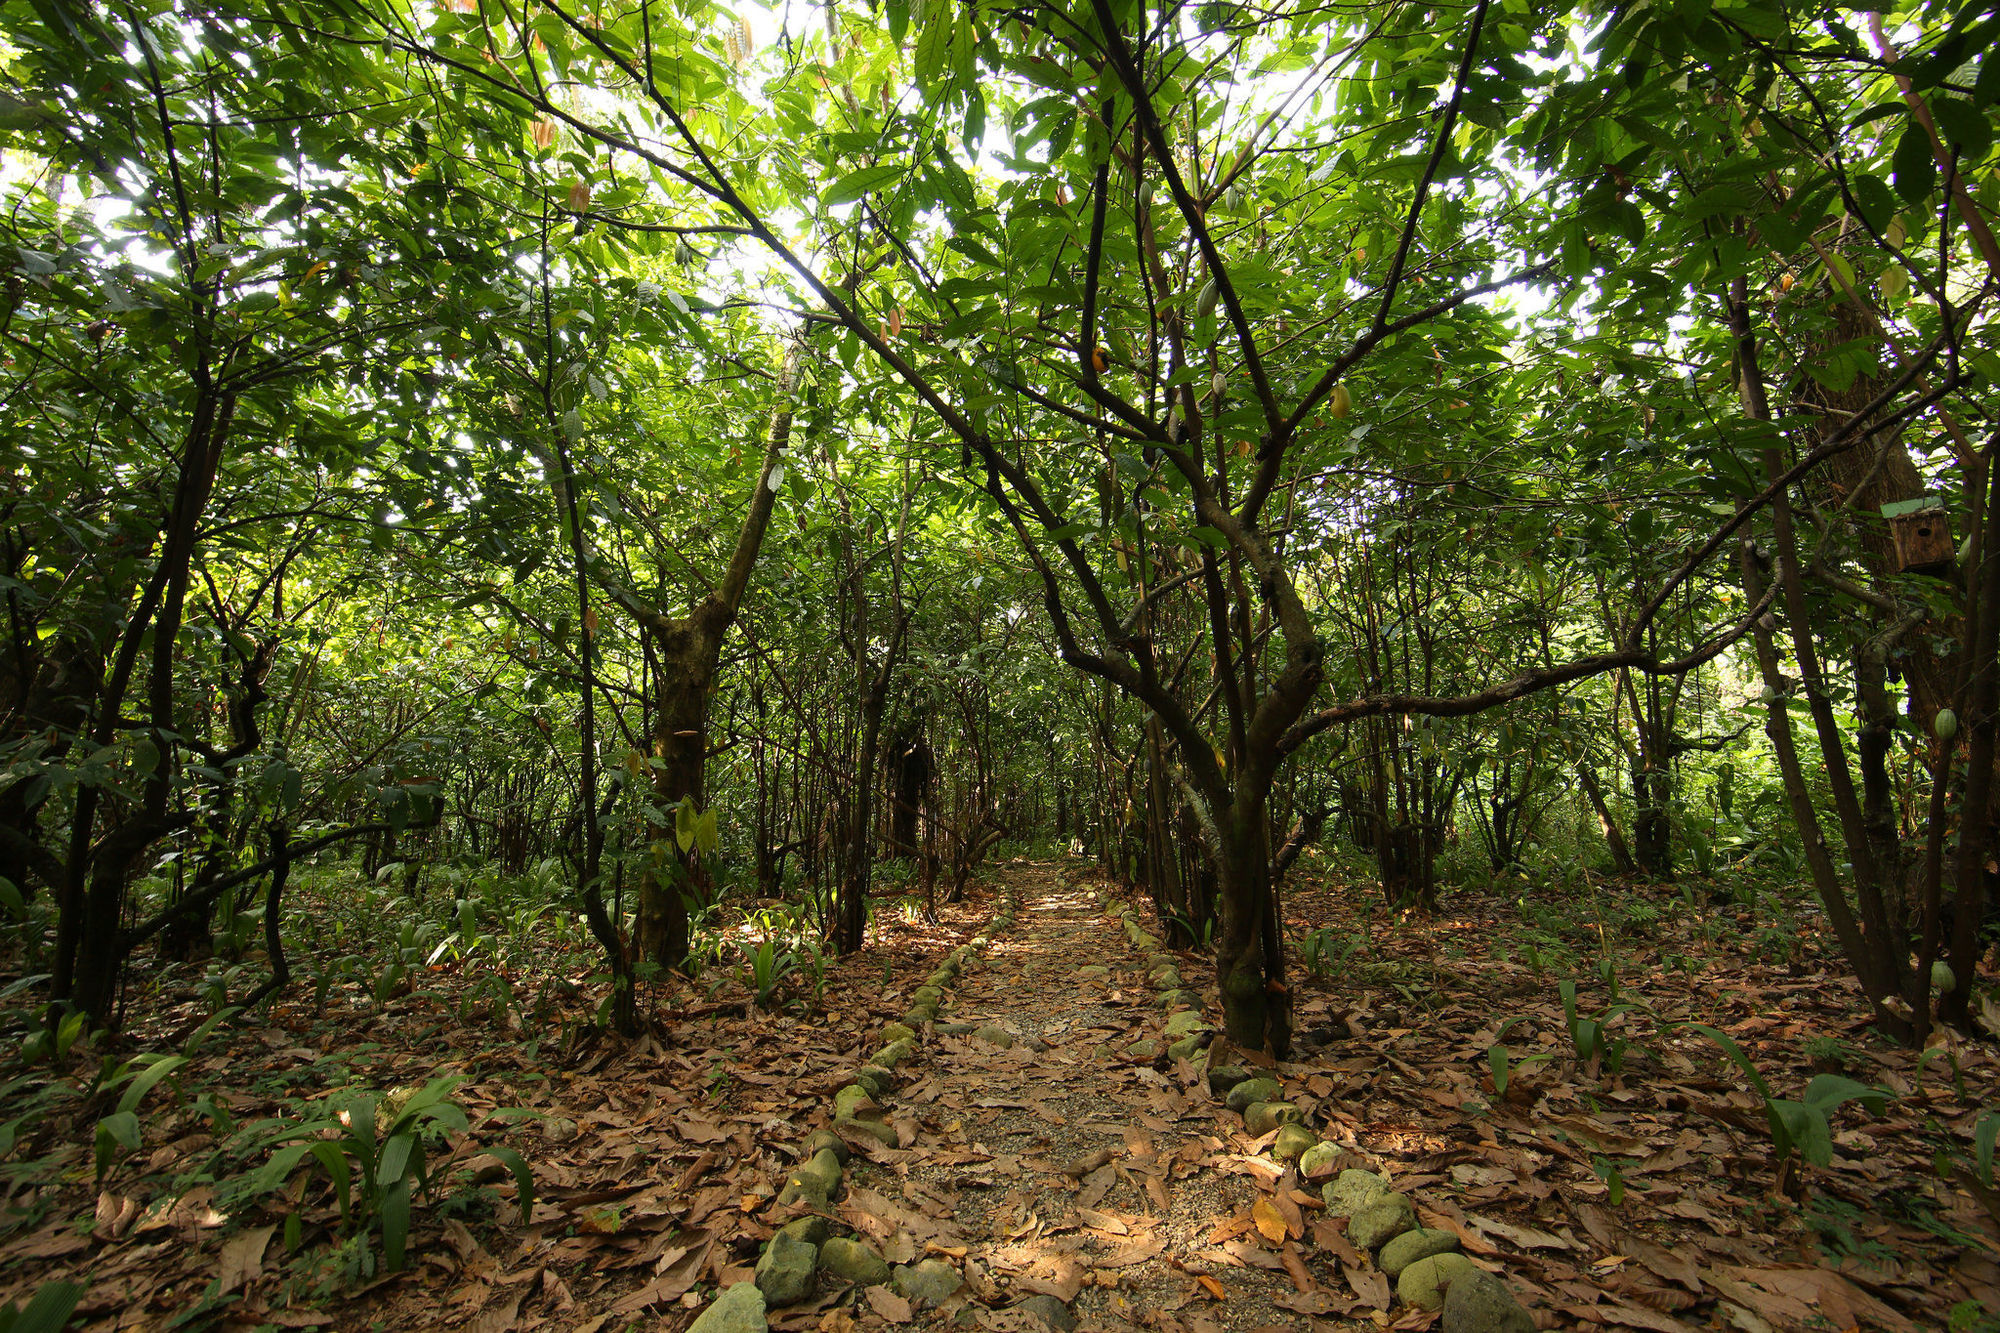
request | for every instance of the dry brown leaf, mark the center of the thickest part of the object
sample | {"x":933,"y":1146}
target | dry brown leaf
{"x":1295,"y":1268}
{"x":1630,"y":1316}
{"x":1211,"y":1286}
{"x":243,"y":1259}
{"x":1269,"y":1222}
{"x":1370,"y":1284}
{"x":497,"y":1318}
{"x":1103,"y":1222}
{"x":888,"y":1304}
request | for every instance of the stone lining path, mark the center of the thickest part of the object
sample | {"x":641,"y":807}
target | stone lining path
{"x":1057,"y":1166}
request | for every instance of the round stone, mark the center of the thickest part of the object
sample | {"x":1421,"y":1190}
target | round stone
{"x":1293,"y":1142}
{"x":825,"y":1140}
{"x":785,"y":1270}
{"x":873,"y":1129}
{"x":1380,"y":1222}
{"x":1423,"y":1283}
{"x":1221,"y":1078}
{"x":851,"y":1261}
{"x":1411,"y":1246}
{"x":1254,"y":1090}
{"x":1478,"y":1302}
{"x":739,"y":1309}
{"x":812,"y":1229}
{"x":1318,"y":1160}
{"x":1050,"y":1311}
{"x":1263,"y":1117}
{"x":933,"y":1281}
{"x":1352,"y":1190}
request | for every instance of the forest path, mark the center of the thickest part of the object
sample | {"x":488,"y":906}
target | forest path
{"x":1064,"y":1157}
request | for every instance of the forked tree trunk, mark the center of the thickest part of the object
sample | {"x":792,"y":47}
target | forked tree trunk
{"x":690,"y":650}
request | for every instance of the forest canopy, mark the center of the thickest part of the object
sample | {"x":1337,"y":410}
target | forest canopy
{"x":1339,"y":406}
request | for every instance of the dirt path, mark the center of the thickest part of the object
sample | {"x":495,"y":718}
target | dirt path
{"x":1075,"y":1162}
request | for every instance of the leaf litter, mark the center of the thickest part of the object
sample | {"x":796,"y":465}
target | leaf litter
{"x":1075,"y":1161}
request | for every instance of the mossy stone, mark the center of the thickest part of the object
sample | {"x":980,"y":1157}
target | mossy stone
{"x":739,"y":1309}
{"x":873,"y":1129}
{"x":1144,"y":1049}
{"x":851,"y":1261}
{"x":876,"y":1080}
{"x":1292,"y":1142}
{"x":814,"y":1182}
{"x":1351,"y":1191}
{"x":1382,"y":1220}
{"x":796,"y":1191}
{"x":1423,"y":1283}
{"x":812,"y":1229}
{"x":1186,"y":1023}
{"x":1254,"y":1090}
{"x":933,"y":1281}
{"x":850,"y":1100}
{"x":1187,"y":1048}
{"x":1318,"y":1160}
{"x":894,"y":1054}
{"x":825,"y":1140}
{"x":785,"y":1270}
{"x":1221,"y":1078}
{"x":1411,"y":1246}
{"x":1050,"y":1311}
{"x":1263,"y":1117}
{"x":1478,"y":1302}
{"x":994,"y":1034}
{"x":893,"y":1032}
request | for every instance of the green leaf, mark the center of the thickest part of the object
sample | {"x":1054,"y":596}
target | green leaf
{"x":1734,"y":1052}
{"x":120,"y":1129}
{"x":934,"y":43}
{"x":334,"y":1162}
{"x":524,"y":1179}
{"x":396,"y":1224}
{"x":1963,"y":127}
{"x":142,"y":1082}
{"x":1878,"y":206}
{"x":48,"y":1311}
{"x":1984,"y":1135}
{"x":1914,"y":164}
{"x":1829,"y":1092}
{"x":395,"y":1158}
{"x":855,"y":184}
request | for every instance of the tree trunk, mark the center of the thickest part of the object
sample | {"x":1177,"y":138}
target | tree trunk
{"x":682,"y":684}
{"x":1621,"y":857}
{"x":1255,"y":1011}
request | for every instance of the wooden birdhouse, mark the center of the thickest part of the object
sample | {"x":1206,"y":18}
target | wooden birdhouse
{"x":1922,"y":532}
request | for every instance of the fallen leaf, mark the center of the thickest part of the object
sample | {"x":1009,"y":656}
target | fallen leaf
{"x":497,"y":1318}
{"x":888,"y":1304}
{"x":1265,"y":1215}
{"x":243,"y":1259}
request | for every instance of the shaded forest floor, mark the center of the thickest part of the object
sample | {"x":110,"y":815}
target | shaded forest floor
{"x":1059,"y":1153}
